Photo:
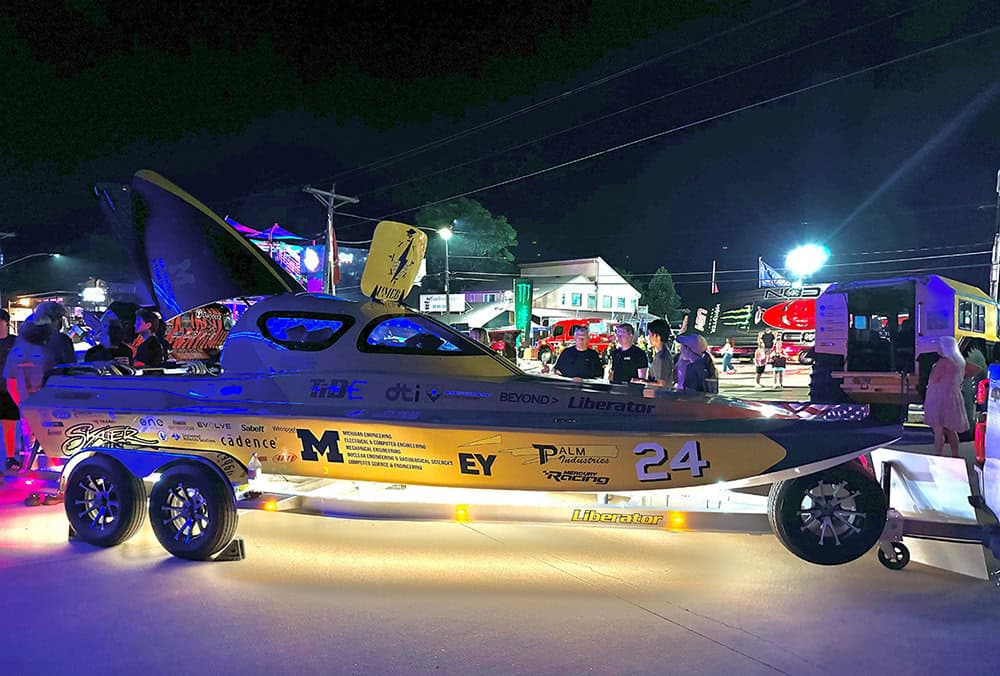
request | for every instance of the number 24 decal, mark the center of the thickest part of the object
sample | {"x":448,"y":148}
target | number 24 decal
{"x":652,"y":457}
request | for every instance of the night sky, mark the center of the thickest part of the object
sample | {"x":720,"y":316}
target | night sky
{"x":242,"y":106}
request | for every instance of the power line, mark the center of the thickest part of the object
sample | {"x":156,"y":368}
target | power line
{"x":695,"y":123}
{"x":392,"y":159}
{"x":654,"y":99}
{"x":860,"y":274}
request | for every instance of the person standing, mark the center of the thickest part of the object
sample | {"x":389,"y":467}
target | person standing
{"x":510,"y":346}
{"x":759,"y":361}
{"x":944,"y":410}
{"x":59,"y":343}
{"x":9,"y":413}
{"x":696,"y":371}
{"x":148,"y":351}
{"x":778,"y":364}
{"x":728,"y":348}
{"x":112,"y":346}
{"x":628,"y":361}
{"x":661,"y":370}
{"x":766,"y":338}
{"x":30,"y":360}
{"x":580,"y":361}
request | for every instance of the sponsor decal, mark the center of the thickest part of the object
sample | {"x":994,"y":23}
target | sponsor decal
{"x":402,"y":392}
{"x":53,"y":433}
{"x":793,"y":292}
{"x":179,"y":423}
{"x":284,"y":458}
{"x":323,"y":388}
{"x":282,"y":428}
{"x":327,"y":445}
{"x":411,"y":393}
{"x":585,"y":402}
{"x":208,"y":425}
{"x":86,"y":435}
{"x":251,"y":428}
{"x":385,"y":293}
{"x":594,"y":516}
{"x":239,"y":441}
{"x":577,"y":476}
{"x":196,"y":437}
{"x":150,"y":421}
{"x":476,"y":464}
{"x":61,"y":414}
{"x":528,"y":398}
{"x":575,"y":455}
{"x":52,"y":423}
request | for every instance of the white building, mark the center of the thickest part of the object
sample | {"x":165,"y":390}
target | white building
{"x":583,"y":287}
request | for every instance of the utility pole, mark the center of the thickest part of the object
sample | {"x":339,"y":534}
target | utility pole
{"x":995,"y":258}
{"x":331,"y":200}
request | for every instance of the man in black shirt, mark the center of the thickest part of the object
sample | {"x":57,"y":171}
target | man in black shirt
{"x":766,"y":338}
{"x":580,"y":361}
{"x":628,"y":361}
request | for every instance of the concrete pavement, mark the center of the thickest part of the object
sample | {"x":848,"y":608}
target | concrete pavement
{"x":332,"y":596}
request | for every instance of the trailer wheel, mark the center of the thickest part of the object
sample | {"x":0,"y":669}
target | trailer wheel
{"x":900,"y":557}
{"x":192,"y":512}
{"x":104,"y":502}
{"x":828,"y":518}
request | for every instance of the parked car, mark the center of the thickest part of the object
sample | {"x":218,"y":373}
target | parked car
{"x":561,"y":336}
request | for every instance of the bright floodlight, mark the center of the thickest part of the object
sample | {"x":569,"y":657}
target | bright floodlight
{"x":311,"y":259}
{"x":445,"y":233}
{"x":804,"y":260}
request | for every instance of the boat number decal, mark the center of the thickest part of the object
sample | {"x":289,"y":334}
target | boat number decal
{"x":328,"y":445}
{"x":652,"y":458}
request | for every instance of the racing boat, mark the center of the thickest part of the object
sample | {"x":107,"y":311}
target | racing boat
{"x":311,"y":385}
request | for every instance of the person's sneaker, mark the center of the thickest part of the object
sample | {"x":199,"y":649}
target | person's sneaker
{"x":53,"y":499}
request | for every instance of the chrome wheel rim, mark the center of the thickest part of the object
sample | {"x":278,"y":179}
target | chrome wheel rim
{"x":100,"y":503}
{"x":830,"y":512}
{"x":185,"y":511}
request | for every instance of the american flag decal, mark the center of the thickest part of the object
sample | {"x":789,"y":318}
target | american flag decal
{"x":821,"y":412}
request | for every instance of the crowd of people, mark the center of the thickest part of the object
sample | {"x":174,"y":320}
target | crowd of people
{"x":646,"y":358}
{"x":42,"y":343}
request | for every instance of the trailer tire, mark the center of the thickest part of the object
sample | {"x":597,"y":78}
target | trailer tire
{"x":192,"y":512}
{"x":831,"y":517}
{"x":105,"y":503}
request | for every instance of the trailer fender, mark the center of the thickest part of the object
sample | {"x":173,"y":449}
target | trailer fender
{"x":143,"y":463}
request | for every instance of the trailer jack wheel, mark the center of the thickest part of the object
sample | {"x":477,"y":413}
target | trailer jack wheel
{"x":897,"y":558}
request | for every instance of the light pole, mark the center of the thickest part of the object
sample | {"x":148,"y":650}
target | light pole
{"x":24,"y":258}
{"x":446,"y":233}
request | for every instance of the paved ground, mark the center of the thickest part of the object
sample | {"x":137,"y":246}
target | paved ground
{"x":330,"y":596}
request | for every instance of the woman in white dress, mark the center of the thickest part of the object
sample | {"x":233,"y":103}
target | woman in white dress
{"x":944,"y":409}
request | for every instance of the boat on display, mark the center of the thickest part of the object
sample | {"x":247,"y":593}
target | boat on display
{"x":314,"y":386}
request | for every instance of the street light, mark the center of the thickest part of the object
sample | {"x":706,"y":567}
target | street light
{"x":804,"y":260}
{"x":4,"y":266}
{"x":24,"y":258}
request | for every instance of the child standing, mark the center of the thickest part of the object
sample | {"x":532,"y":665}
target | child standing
{"x":778,"y":363}
{"x":760,"y":361}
